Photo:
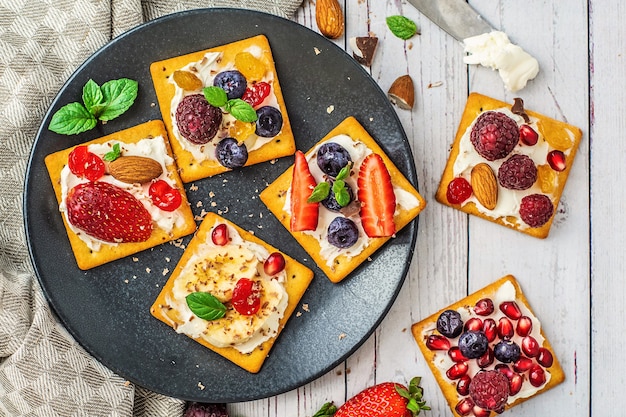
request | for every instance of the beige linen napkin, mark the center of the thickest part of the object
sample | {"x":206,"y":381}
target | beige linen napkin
{"x":43,"y":371}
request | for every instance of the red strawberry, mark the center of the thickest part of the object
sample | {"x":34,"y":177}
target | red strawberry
{"x":108,"y":213}
{"x":387,"y":399}
{"x":378,"y":201}
{"x":304,"y":215}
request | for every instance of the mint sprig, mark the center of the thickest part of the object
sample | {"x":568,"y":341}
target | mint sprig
{"x":401,"y":26}
{"x":113,"y":154}
{"x":322,"y":190}
{"x":103,"y":103}
{"x":240,"y":109}
{"x":205,"y":305}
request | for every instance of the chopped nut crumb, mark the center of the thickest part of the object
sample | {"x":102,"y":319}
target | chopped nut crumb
{"x":435,"y":84}
{"x":330,"y":109}
{"x":201,"y":386}
{"x":317,"y":51}
{"x":165,"y":271}
{"x":341,"y":336}
{"x":135,"y":259}
{"x":193,"y":187}
{"x":148,"y":270}
{"x":305,"y":307}
{"x":211,"y":194}
{"x":298,"y":314}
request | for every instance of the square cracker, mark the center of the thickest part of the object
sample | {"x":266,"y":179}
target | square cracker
{"x":553,"y":134}
{"x":190,"y":168}
{"x":298,"y":278}
{"x":275,"y":197}
{"x":422,"y":329}
{"x":86,"y":258}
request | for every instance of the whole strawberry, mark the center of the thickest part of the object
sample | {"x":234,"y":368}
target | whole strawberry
{"x":387,"y":399}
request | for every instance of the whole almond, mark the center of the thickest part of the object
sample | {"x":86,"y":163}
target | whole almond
{"x":135,"y":169}
{"x":485,"y":185}
{"x":402,"y":92}
{"x":329,"y":18}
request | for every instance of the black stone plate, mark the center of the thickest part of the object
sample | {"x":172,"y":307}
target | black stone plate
{"x":107,"y":308}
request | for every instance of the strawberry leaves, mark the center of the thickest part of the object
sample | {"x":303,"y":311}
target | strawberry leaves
{"x":414,"y":395}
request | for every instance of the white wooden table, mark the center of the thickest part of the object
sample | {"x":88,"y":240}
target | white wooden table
{"x":573,"y":278}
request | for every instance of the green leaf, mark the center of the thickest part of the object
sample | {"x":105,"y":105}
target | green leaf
{"x":72,"y":119}
{"x":401,"y":26}
{"x":118,"y":96}
{"x":93,"y":98}
{"x":345,"y":172}
{"x":319,"y":193}
{"x":241,"y":110}
{"x":113,"y":154}
{"x":205,"y":305}
{"x":341,"y":193}
{"x":216,"y":96}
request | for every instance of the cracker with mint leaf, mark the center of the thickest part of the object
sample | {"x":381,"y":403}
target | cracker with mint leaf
{"x":240,"y":109}
{"x":205,"y":305}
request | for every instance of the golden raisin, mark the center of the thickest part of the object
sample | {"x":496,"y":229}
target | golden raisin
{"x":556,"y":136}
{"x":241,"y":130}
{"x":250,"y":66}
{"x":187,"y":80}
{"x":547,"y":178}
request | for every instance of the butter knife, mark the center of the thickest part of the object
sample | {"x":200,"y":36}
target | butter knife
{"x":456,"y":17}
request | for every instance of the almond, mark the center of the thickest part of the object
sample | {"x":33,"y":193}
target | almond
{"x":329,"y":18}
{"x":402,"y":92}
{"x":485,"y":185}
{"x":135,"y":169}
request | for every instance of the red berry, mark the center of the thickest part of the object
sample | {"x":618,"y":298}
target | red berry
{"x":504,"y":369}
{"x":462,"y":385}
{"x":511,"y":309}
{"x":85,"y":164}
{"x":456,"y":355}
{"x":545,"y":358}
{"x":490,"y":329}
{"x":522,"y":364}
{"x":536,"y":376}
{"x":474,"y":323}
{"x":486,"y":360}
{"x":556,"y":159}
{"x":437,"y":342}
{"x":164,"y":196}
{"x":219,"y":235}
{"x":530,"y":346}
{"x":527,"y":135}
{"x":459,"y":190}
{"x":505,"y":328}
{"x":515,"y":383}
{"x":536,"y":209}
{"x":484,"y":307}
{"x":274,"y":263}
{"x":457,"y":370}
{"x":481,"y":412}
{"x":489,"y":390}
{"x":517,"y":173}
{"x":524,"y":326}
{"x":494,"y":135}
{"x":256,"y":93}
{"x":246,"y":297}
{"x":304,"y":215}
{"x":464,"y":407}
{"x":378,"y":201}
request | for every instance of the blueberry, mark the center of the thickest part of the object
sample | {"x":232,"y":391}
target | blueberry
{"x":473,"y":344}
{"x":342,"y":232}
{"x":330,"y":202}
{"x":450,"y":323}
{"x":233,"y":82}
{"x":197,"y":120}
{"x":506,"y":351}
{"x":269,"y":122}
{"x":332,"y":157}
{"x":230,"y":154}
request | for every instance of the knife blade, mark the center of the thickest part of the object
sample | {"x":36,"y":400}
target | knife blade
{"x":456,"y":17}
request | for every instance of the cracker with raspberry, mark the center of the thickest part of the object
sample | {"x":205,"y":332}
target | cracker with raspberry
{"x":508,"y":165}
{"x":488,"y":351}
{"x":223,"y":108}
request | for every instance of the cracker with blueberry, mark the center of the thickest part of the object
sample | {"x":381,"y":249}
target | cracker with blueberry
{"x":223,"y":108}
{"x":508,"y":165}
{"x":343,"y":199}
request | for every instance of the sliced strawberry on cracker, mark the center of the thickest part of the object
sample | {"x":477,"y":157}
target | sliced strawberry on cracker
{"x":108,"y":213}
{"x":378,"y":201}
{"x":304,"y":215}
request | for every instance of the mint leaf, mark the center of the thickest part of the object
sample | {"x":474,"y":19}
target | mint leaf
{"x":216,"y":96}
{"x":205,"y":305}
{"x":401,"y":26}
{"x":72,"y":119}
{"x":319,"y":193}
{"x":341,"y":193}
{"x":118,"y":96}
{"x":93,"y":98}
{"x":345,"y":172}
{"x":113,"y":154}
{"x":241,"y":110}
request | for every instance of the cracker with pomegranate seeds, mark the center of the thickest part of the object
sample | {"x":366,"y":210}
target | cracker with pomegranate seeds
{"x":508,"y":165}
{"x":370,"y":166}
{"x":491,"y":331}
{"x":196,"y":127}
{"x":212,"y":275}
{"x":144,"y":158}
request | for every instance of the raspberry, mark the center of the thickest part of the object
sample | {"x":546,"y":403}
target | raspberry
{"x":489,"y":390}
{"x":517,"y":173}
{"x":536,"y":209}
{"x":459,"y":190}
{"x":197,"y":120}
{"x":494,"y":135}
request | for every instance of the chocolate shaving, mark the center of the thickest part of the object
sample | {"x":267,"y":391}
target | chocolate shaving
{"x":518,"y":108}
{"x":364,"y":48}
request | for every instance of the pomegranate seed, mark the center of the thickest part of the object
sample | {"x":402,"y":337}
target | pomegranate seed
{"x":515,"y":383}
{"x":505,"y":328}
{"x":530,"y":346}
{"x":536,"y":376}
{"x":457,"y":370}
{"x":456,"y":355}
{"x":481,"y":412}
{"x":437,"y":342}
{"x":474,"y":323}
{"x":524,"y":326}
{"x":462,"y":387}
{"x":485,"y":360}
{"x":464,"y":407}
{"x":527,"y":135}
{"x":274,"y":264}
{"x":484,"y":307}
{"x":458,"y":190}
{"x":504,"y":368}
{"x":219,"y":235}
{"x":544,"y":357}
{"x":490,"y":329}
{"x":556,"y":159}
{"x":522,"y":364}
{"x":511,"y":309}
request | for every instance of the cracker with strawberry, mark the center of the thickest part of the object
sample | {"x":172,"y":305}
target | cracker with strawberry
{"x":343,"y":199}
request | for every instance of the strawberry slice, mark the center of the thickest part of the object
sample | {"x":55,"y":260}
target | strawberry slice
{"x":378,"y":201}
{"x":108,"y":213}
{"x":304,"y":215}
